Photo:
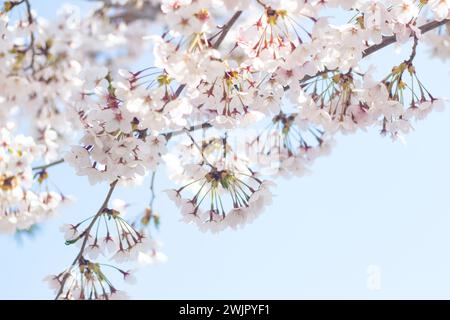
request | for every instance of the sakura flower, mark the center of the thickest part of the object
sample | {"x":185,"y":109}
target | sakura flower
{"x":95,"y":77}
{"x":153,"y":257}
{"x":441,"y":8}
{"x":70,"y":231}
{"x":405,"y":11}
{"x":93,"y":249}
{"x":121,"y":256}
{"x":53,"y":282}
{"x":119,"y":295}
{"x":129,"y":276}
{"x":120,"y":120}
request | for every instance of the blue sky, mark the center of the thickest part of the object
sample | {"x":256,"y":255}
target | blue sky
{"x":370,"y":203}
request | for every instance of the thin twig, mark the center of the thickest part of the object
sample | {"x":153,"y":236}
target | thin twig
{"x":172,"y":134}
{"x":152,"y":190}
{"x":392,"y":39}
{"x":200,"y":149}
{"x":45,"y":167}
{"x":261,"y":3}
{"x":32,"y":37}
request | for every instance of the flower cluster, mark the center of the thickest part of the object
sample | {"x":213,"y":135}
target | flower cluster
{"x":42,"y":62}
{"x":347,"y":102}
{"x":289,"y":146}
{"x":88,"y":282}
{"x":106,"y":234}
{"x":121,"y":125}
{"x":223,"y":190}
{"x":21,"y":207}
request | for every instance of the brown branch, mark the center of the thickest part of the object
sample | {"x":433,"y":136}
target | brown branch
{"x":387,"y":41}
{"x":128,"y":13}
{"x":172,"y":134}
{"x":32,"y":37}
{"x":261,"y":3}
{"x":226,"y":28}
{"x":30,"y":20}
{"x":85,"y":235}
{"x":413,"y":51}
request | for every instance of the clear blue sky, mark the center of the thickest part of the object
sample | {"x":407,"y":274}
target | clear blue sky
{"x":372,"y":202}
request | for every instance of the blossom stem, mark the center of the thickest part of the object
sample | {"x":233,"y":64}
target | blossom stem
{"x":200,"y":149}
{"x":45,"y":167}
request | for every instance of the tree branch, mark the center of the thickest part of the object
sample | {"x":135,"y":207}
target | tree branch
{"x":226,"y":28}
{"x":86,"y":234}
{"x":172,"y":134}
{"x":387,"y":41}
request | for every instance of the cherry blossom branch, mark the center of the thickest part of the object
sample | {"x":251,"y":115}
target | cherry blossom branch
{"x":223,"y":34}
{"x":9,"y":5}
{"x":387,"y":41}
{"x":172,"y":134}
{"x":226,"y":28}
{"x":32,"y":37}
{"x":86,"y":234}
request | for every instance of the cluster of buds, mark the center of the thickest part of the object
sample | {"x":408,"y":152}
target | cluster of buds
{"x":288,"y":146}
{"x":88,"y":282}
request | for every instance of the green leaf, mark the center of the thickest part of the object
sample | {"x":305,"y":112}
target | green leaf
{"x":70,"y":242}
